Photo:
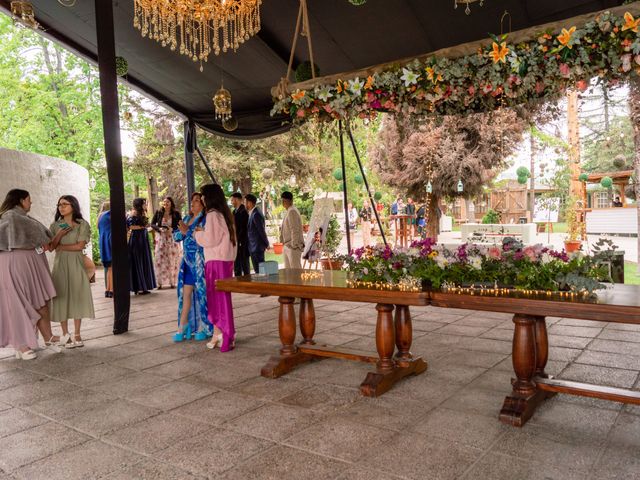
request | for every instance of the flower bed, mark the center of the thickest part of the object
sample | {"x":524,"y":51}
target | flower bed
{"x":510,"y":265}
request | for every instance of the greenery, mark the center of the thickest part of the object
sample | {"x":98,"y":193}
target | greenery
{"x":303,"y":71}
{"x":631,"y":276}
{"x":332,"y":238}
{"x":571,"y":215}
{"x":491,"y":216}
{"x":510,"y":265}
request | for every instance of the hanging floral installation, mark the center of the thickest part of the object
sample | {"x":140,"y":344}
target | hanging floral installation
{"x":498,"y":75}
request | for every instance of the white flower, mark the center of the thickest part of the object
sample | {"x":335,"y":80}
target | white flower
{"x":475,"y":262}
{"x":356,"y":85}
{"x":324,"y":93}
{"x":546,"y":258}
{"x":409,"y":77}
{"x":441,"y":261}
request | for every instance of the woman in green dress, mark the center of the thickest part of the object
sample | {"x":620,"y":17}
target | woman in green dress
{"x":69,"y":275}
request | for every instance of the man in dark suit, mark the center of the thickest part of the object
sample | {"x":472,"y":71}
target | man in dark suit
{"x":257,"y":235}
{"x":241,"y":217}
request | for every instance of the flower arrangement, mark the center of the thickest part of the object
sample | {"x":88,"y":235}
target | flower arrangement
{"x":499,"y":75}
{"x":510,"y":265}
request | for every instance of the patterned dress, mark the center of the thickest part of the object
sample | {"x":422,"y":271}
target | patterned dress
{"x":193,"y":259}
{"x":167,"y":255}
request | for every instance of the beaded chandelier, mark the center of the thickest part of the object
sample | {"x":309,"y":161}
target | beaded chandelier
{"x":467,"y":10}
{"x":198,"y":27}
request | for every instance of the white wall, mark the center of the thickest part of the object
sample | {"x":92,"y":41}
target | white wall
{"x":46,"y":179}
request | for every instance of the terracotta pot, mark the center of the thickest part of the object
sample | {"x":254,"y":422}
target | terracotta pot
{"x":278,"y":248}
{"x":572,"y":245}
{"x":330,"y":264}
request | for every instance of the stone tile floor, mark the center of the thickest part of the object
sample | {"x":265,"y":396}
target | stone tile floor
{"x":139,"y":406}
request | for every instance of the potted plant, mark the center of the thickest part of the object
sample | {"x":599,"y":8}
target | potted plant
{"x":573,"y":242}
{"x":274,"y":233}
{"x":305,"y":223}
{"x":330,"y":246}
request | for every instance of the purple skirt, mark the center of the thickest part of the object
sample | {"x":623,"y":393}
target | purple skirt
{"x":219,"y":303}
{"x":25,"y":287}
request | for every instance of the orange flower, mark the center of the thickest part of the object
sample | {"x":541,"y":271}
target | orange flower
{"x":369,"y":84}
{"x":500,"y":52}
{"x":431,"y":75}
{"x":630,"y":23}
{"x":299,"y":95}
{"x":565,"y":37}
{"x":339,"y":87}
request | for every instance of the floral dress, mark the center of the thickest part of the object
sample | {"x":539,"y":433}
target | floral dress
{"x":193,"y":259}
{"x":167,"y":255}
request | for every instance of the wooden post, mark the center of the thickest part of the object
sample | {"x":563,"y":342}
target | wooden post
{"x":113,"y":156}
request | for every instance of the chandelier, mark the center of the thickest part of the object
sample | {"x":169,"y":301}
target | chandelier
{"x":23,"y":13}
{"x":467,"y":10}
{"x":198,"y":27}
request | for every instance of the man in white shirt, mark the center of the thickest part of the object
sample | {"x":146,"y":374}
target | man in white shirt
{"x":291,"y":233}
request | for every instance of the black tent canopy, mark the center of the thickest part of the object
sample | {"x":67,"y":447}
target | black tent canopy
{"x":345,"y":37}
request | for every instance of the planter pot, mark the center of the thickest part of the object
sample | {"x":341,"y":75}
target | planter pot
{"x":330,"y":264}
{"x":278,"y":248}
{"x":572,"y":245}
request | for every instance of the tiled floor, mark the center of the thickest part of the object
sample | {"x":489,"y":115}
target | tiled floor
{"x":139,"y":406}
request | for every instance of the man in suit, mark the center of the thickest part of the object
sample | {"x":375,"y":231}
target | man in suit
{"x":256,"y":234}
{"x":241,"y":217}
{"x":291,"y":233}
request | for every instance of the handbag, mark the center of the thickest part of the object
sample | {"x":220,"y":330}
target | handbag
{"x":89,"y":267}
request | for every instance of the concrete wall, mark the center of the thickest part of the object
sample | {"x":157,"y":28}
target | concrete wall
{"x":46,"y":179}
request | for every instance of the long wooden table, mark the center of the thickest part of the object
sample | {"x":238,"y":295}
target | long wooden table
{"x":531,"y":385}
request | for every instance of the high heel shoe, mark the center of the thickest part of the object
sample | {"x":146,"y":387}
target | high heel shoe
{"x":28,"y":355}
{"x":64,"y":340}
{"x":215,"y":340}
{"x":182,"y":334}
{"x":200,"y":336}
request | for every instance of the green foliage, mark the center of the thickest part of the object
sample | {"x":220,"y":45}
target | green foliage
{"x":377,"y":196}
{"x":332,"y":238}
{"x":122,"y":66}
{"x":358,"y":179}
{"x":491,"y":216}
{"x":303,"y":71}
{"x":337,"y":174}
{"x":523,"y":172}
{"x":357,"y":2}
{"x":522,"y":179}
{"x":571,"y":215}
{"x":606,"y":182}
{"x":583,"y":177}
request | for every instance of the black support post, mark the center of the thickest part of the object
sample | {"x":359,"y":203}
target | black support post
{"x":366,"y":184}
{"x":113,"y":155}
{"x":344,"y":188}
{"x":189,"y":148}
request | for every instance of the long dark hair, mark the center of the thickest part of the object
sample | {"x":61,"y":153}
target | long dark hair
{"x":138,"y":204}
{"x":194,"y":195}
{"x":75,"y":205}
{"x":13,"y":199}
{"x":214,"y":199}
{"x":173,"y":205}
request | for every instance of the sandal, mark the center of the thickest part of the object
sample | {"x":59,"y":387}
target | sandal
{"x":76,"y":342}
{"x":28,"y":355}
{"x":53,"y":345}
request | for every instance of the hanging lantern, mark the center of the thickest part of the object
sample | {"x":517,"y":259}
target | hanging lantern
{"x":222,"y":103}
{"x":337,"y":174}
{"x":631,"y":180}
{"x":24,"y":14}
{"x":429,"y":187}
{"x":230,"y":124}
{"x":377,"y":196}
{"x":460,"y":186}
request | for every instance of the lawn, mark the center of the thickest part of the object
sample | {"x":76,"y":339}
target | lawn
{"x":269,"y":255}
{"x":631,"y":276}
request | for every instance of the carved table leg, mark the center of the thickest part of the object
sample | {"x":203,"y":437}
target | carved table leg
{"x":307,"y":321}
{"x":542,"y":346}
{"x":520,"y":405}
{"x":388,"y":372}
{"x":404,"y":333}
{"x":289,"y":354}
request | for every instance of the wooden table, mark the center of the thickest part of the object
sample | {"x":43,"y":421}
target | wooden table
{"x":392,"y":331}
{"x":531,"y":385}
{"x":403,"y":229}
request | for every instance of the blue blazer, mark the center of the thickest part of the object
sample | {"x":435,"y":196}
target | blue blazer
{"x":256,"y":234}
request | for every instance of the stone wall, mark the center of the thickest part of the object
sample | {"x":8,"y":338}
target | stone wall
{"x":46,"y":179}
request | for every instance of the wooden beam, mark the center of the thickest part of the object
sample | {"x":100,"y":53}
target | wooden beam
{"x":462,"y":50}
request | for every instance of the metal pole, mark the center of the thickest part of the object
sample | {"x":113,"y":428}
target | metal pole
{"x":344,"y":188}
{"x":113,"y":156}
{"x":366,"y":184}
{"x":206,"y":164}
{"x":189,"y":168}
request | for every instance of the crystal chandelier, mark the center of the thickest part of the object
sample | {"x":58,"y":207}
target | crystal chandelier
{"x":198,"y":27}
{"x":23,"y":13}
{"x":467,"y":10}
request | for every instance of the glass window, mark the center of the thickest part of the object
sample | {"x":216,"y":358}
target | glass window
{"x":602,"y":200}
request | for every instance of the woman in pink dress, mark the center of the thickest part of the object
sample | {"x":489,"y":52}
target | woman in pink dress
{"x":167,"y":252}
{"x":218,"y":239}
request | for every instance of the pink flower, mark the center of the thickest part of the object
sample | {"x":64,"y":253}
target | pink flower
{"x":565,"y":71}
{"x":539,"y":87}
{"x":531,"y":253}
{"x":471,"y":90}
{"x":494,"y":253}
{"x":300,"y":113}
{"x":626,"y":62}
{"x":582,"y":85}
{"x":327,"y":108}
{"x":487,"y":88}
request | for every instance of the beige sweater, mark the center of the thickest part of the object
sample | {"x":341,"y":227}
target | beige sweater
{"x":291,"y":231}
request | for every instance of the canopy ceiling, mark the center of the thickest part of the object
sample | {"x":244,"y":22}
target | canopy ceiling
{"x":345,"y":37}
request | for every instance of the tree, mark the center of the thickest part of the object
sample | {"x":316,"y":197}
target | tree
{"x":634,"y":113}
{"x":472,"y":149}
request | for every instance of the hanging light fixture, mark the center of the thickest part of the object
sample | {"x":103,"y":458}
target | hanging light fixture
{"x":467,"y":10}
{"x":198,"y":27}
{"x":222,"y":104}
{"x":460,"y":186}
{"x":429,"y":187}
{"x":23,"y":14}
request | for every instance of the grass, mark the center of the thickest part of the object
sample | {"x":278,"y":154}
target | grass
{"x":631,"y":276}
{"x":269,"y":255}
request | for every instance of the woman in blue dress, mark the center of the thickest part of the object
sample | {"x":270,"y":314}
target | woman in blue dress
{"x":143,"y":276}
{"x":192,"y":290}
{"x":104,"y":242}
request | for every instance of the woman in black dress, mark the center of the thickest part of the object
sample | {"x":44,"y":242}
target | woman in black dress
{"x":143,"y":277}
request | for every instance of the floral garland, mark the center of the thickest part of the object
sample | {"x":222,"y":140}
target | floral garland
{"x":510,"y":265}
{"x":499,"y":75}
